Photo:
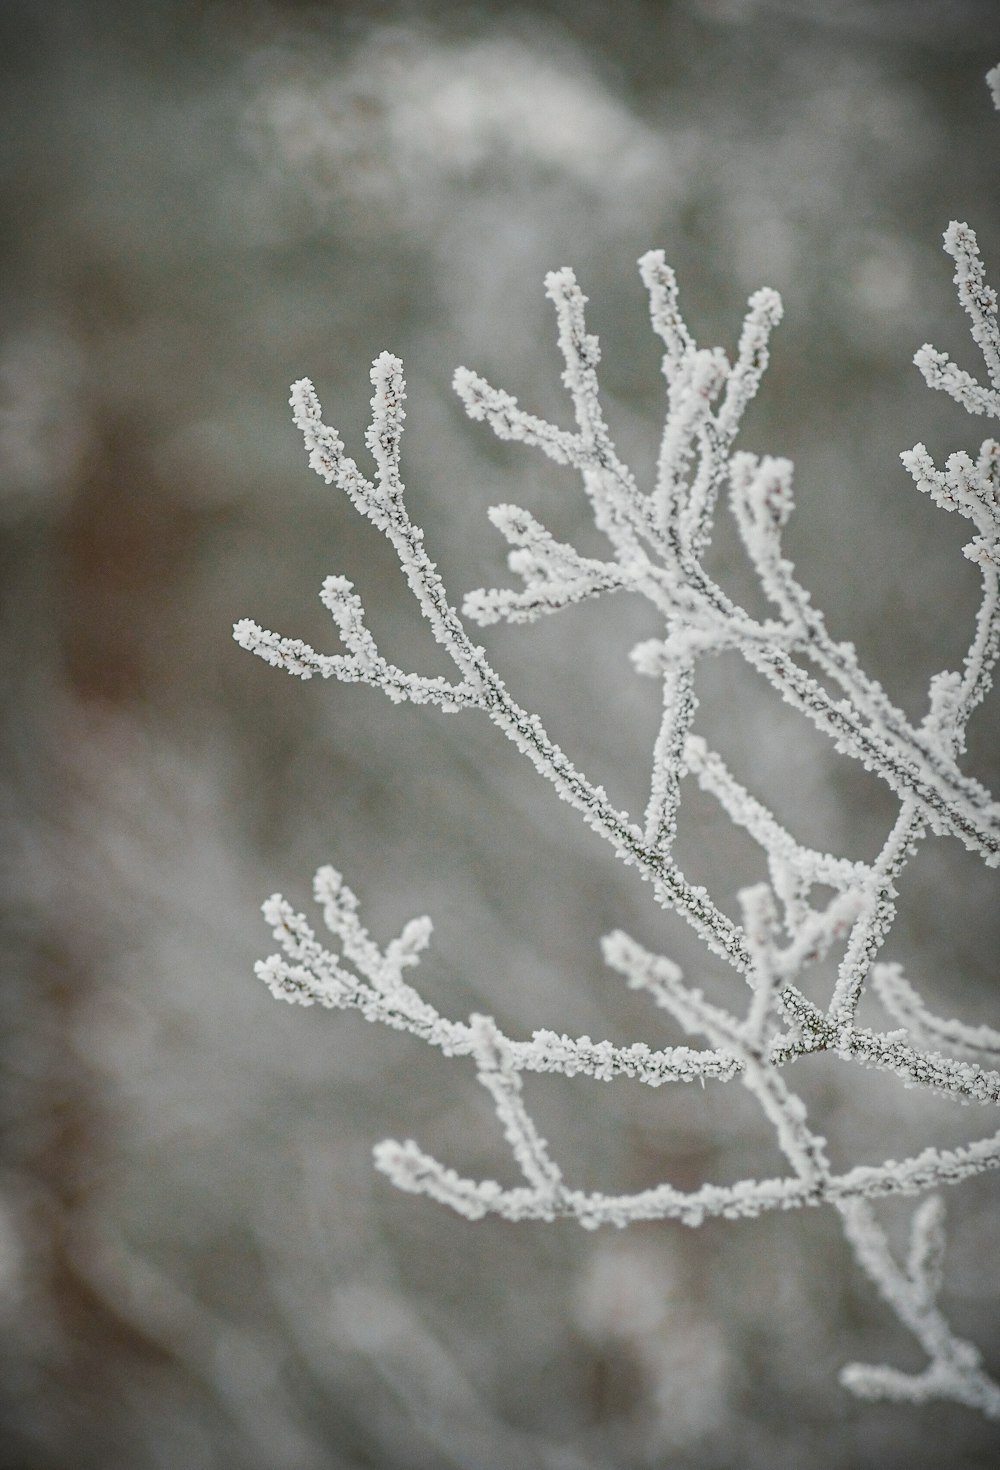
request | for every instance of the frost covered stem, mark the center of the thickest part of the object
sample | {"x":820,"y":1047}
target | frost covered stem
{"x":746,"y":1200}
{"x":955,"y":1369}
{"x":876,"y":918}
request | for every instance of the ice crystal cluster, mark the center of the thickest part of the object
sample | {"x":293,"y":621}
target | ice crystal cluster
{"x":657,"y":540}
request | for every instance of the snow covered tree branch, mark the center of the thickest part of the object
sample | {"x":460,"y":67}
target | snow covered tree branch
{"x":657,"y":542}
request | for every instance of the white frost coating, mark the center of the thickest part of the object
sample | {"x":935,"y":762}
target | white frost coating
{"x":498,"y":1074}
{"x":555,"y":575}
{"x":386,"y":428}
{"x":695,"y":386}
{"x":312,"y":975}
{"x":664,"y":312}
{"x":760,"y":922}
{"x":657,"y":538}
{"x":745,"y":811}
{"x":954,"y":1370}
{"x":753,"y":355}
{"x":508,"y":421}
{"x":906,"y":1006}
{"x":980,"y":302}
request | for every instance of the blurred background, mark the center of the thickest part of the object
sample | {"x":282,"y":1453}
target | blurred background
{"x":198,"y":1265}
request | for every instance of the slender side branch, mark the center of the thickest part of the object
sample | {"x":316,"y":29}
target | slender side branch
{"x":955,"y":1367}
{"x":902,"y":1002}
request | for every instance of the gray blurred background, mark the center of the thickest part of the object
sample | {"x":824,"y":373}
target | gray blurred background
{"x":198,"y":1266}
